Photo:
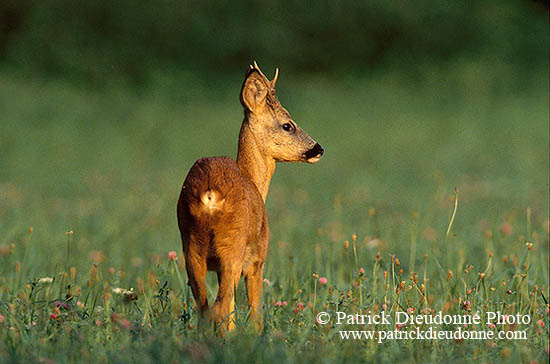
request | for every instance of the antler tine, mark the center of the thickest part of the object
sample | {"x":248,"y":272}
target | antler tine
{"x":274,"y":81}
{"x":260,"y":71}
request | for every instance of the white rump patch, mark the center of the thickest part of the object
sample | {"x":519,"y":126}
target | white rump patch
{"x":211,"y":201}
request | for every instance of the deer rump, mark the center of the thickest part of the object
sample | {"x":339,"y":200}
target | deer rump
{"x":222,"y":214}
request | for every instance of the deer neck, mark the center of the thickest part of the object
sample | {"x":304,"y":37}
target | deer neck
{"x":253,"y":161}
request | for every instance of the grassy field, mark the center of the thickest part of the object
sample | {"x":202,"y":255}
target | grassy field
{"x":371,"y":217}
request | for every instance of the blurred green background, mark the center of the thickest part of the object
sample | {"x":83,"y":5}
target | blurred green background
{"x":105,"y":105}
{"x":96,"y":41}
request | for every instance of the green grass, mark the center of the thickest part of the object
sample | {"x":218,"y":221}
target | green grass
{"x":108,"y":164}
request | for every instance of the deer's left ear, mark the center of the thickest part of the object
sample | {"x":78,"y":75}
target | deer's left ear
{"x":254,"y":91}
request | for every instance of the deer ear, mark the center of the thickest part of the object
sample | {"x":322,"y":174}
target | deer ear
{"x":254,"y":91}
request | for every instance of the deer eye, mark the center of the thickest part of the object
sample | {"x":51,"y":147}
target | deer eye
{"x":287,"y":127}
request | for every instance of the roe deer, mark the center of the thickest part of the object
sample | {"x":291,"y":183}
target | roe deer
{"x":221,"y":212}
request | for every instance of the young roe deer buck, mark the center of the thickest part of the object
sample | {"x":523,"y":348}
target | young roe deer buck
{"x":221,"y":212}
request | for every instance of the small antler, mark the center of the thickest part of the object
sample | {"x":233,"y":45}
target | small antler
{"x":257,"y":68}
{"x":272,"y":82}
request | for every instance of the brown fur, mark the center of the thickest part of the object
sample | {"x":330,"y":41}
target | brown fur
{"x":221,"y":213}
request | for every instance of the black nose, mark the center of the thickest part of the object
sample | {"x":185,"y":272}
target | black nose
{"x":317,"y":150}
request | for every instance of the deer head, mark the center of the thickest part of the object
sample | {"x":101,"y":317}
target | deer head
{"x":279,"y":136}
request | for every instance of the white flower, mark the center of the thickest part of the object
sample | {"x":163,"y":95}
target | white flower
{"x":127,"y":295}
{"x":45,"y":280}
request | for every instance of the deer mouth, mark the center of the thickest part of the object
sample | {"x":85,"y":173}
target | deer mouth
{"x":314,"y":160}
{"x":314,"y":154}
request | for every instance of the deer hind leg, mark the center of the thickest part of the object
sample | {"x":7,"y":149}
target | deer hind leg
{"x":224,"y":307}
{"x":254,"y":280}
{"x":196,"y":273}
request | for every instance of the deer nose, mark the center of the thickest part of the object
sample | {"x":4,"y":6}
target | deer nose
{"x":316,"y":151}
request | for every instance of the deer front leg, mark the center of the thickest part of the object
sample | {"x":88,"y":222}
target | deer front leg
{"x":254,"y":280}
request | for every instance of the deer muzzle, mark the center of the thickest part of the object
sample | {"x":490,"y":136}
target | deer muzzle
{"x":314,"y":154}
